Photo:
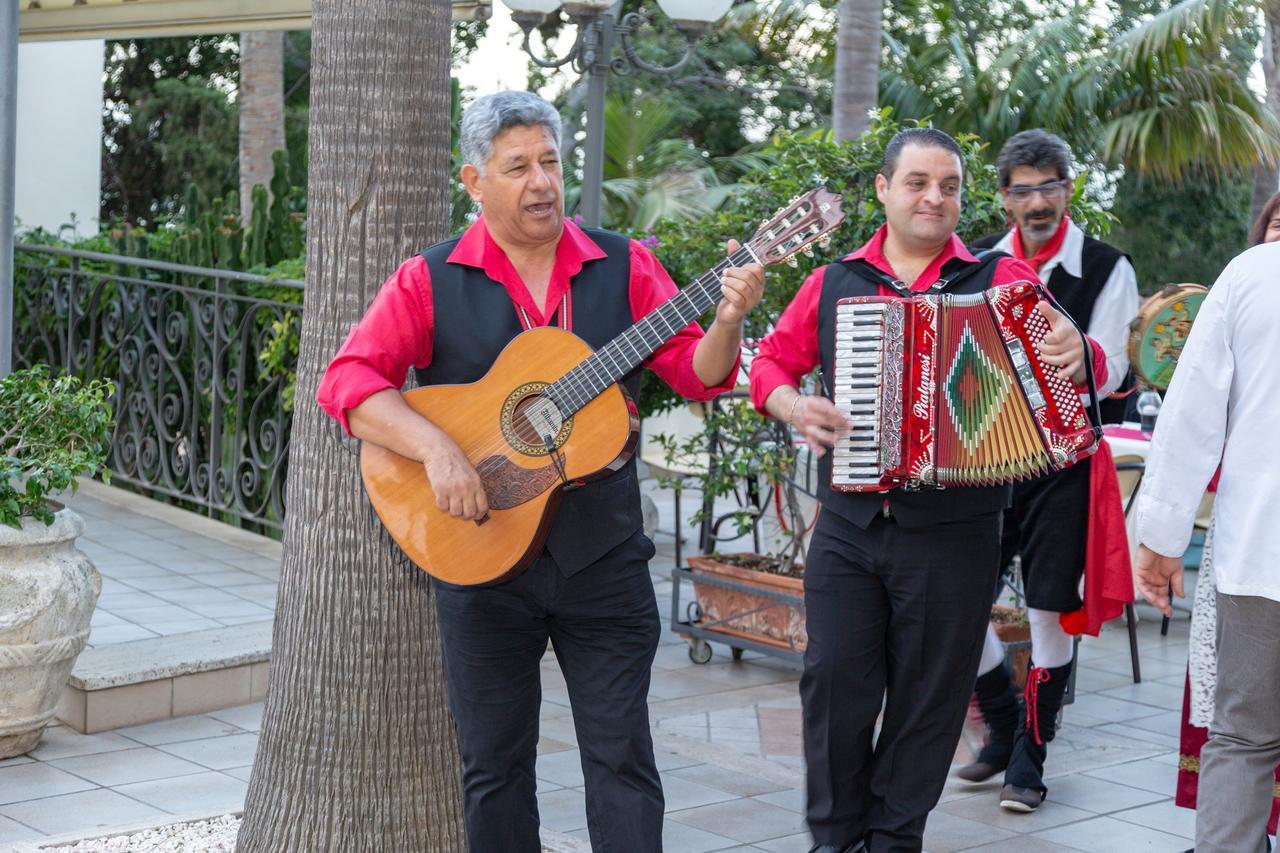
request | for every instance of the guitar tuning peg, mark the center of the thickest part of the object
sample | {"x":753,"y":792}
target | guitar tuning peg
{"x":808,"y":251}
{"x":792,"y":262}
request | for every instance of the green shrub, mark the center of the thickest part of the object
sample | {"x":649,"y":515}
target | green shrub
{"x":52,"y":430}
{"x":791,"y":166}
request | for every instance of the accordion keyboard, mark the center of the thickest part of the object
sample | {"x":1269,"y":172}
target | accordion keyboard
{"x":856,"y":380}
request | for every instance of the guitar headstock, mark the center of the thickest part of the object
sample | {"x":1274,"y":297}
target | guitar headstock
{"x":806,"y":220}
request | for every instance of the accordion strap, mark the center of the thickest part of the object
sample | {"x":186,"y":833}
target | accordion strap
{"x":953,"y":271}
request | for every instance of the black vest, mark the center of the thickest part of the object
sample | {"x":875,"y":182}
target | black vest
{"x":912,"y":509}
{"x":475,"y":319}
{"x":1078,"y":294}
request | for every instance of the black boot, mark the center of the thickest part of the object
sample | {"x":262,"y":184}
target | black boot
{"x":1024,"y":788}
{"x":998,"y":701}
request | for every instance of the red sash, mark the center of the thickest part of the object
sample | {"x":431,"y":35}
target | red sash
{"x":1108,"y":576}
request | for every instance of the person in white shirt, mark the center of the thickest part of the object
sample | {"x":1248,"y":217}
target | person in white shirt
{"x":1047,"y":522}
{"x":1223,"y":404}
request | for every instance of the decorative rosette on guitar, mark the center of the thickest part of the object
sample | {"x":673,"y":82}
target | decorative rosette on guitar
{"x":951,"y":390}
{"x":1159,"y":332}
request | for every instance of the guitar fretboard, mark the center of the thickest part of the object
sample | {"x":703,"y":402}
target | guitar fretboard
{"x":626,"y":352}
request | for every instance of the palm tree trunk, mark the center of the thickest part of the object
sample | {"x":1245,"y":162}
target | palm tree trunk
{"x":357,"y":750}
{"x":1266,"y":177}
{"x":261,"y":102}
{"x":857,"y":67}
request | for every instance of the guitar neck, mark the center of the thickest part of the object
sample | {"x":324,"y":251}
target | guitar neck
{"x":628,"y":350}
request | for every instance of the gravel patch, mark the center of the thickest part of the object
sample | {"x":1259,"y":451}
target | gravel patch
{"x":217,"y":835}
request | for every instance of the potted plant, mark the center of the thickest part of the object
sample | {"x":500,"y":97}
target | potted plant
{"x":1014,"y":631}
{"x":52,"y":429}
{"x":753,"y":596}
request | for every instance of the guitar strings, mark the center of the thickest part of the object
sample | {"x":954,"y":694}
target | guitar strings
{"x":577,"y":387}
{"x":580,"y":389}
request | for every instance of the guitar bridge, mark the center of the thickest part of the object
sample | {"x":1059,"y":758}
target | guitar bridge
{"x":557,"y":459}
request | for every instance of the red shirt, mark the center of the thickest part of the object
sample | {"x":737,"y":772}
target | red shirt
{"x":790,"y":351}
{"x":396,"y":332}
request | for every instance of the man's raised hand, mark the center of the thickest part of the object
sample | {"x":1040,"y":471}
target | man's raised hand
{"x":1063,"y":347}
{"x":742,"y":288}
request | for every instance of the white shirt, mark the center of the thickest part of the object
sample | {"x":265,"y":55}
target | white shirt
{"x":1113,"y":310}
{"x":1224,"y":403}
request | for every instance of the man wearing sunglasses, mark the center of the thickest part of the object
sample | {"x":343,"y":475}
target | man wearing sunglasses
{"x":1048,"y":521}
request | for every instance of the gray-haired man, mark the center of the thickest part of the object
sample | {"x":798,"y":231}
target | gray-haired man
{"x":447,"y":313}
{"x":1047,"y":522}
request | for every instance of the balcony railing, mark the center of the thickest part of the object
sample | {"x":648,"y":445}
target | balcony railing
{"x":203,"y":360}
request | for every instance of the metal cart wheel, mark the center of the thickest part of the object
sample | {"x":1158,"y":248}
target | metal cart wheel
{"x":737,"y":653}
{"x":699,"y":650}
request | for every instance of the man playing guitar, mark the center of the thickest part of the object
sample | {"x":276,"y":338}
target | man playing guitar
{"x":448,"y":313}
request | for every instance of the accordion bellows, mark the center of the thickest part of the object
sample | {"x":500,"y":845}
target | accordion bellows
{"x":950,"y":390}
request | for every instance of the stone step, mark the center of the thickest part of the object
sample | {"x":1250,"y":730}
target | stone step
{"x":127,"y":684}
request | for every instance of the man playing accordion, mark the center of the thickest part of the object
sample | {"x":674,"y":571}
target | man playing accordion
{"x":898,"y":585}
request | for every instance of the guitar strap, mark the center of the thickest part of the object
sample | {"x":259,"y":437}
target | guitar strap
{"x":562,"y":314}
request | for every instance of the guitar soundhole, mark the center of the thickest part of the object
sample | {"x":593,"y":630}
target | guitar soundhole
{"x":522,"y":423}
{"x":527,"y":418}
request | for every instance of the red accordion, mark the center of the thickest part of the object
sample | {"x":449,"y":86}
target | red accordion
{"x":950,"y":390}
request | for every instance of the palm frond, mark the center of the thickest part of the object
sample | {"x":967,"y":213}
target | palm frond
{"x":1171,"y":29}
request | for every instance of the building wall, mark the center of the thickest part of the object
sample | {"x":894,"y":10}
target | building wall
{"x":59,"y":157}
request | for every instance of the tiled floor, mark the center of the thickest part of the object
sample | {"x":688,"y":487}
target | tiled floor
{"x":159,"y":579}
{"x":726,"y":734}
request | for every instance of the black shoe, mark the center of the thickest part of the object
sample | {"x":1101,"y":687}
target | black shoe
{"x":836,"y":848}
{"x":1015,"y":799}
{"x":998,"y":701}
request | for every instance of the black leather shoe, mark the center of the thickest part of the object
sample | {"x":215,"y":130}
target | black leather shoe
{"x":1015,"y":799}
{"x":978,"y":771}
{"x":835,"y":848}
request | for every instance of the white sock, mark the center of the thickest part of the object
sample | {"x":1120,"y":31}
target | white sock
{"x":992,"y":652}
{"x":1050,"y":645}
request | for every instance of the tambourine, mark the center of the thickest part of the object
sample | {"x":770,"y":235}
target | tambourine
{"x":1159,"y":332}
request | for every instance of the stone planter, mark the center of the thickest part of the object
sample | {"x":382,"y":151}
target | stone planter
{"x":48,"y":589}
{"x":773,"y":615}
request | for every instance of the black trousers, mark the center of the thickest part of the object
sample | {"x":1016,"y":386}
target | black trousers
{"x":603,"y":624}
{"x":1047,"y":524}
{"x":895,"y":616}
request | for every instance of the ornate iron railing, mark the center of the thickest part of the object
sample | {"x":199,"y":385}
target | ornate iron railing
{"x":203,"y":362}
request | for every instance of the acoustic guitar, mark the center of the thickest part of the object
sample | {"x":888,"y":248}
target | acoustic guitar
{"x":549,"y":413}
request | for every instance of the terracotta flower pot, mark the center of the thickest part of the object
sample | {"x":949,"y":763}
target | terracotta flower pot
{"x":48,"y":589}
{"x":746,"y":614}
{"x":1012,"y":629}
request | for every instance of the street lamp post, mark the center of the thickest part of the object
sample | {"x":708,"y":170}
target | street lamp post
{"x":592,"y":55}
